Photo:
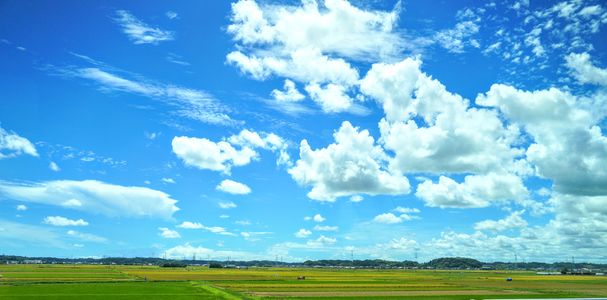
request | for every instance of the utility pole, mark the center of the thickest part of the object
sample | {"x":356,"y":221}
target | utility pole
{"x":572,"y":264}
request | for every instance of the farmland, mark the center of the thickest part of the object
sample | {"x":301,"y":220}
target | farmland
{"x":151,"y":282}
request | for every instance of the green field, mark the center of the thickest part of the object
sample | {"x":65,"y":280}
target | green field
{"x":138,"y":282}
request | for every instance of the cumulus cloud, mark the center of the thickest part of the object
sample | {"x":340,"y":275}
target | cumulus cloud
{"x":390,"y":218}
{"x":453,"y":137}
{"x":474,"y":191}
{"x":514,"y":220}
{"x":21,"y":207}
{"x":568,"y":145}
{"x":94,"y":197}
{"x":205,"y":154}
{"x":236,"y":150}
{"x":310,"y":44}
{"x":190,"y":225}
{"x":318,"y":218}
{"x":11,"y":145}
{"x":62,"y":221}
{"x":233,"y":187}
{"x":584,"y":71}
{"x":168,"y":233}
{"x":577,"y":229}
{"x":303,"y":233}
{"x":322,"y":241}
{"x":289,"y":94}
{"x":350,"y":166}
{"x":332,"y":98}
{"x":139,"y":32}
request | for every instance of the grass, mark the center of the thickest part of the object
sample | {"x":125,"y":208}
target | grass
{"x":138,"y":282}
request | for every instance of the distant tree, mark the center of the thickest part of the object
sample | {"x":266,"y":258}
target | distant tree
{"x":215,"y":266}
{"x":173,"y":265}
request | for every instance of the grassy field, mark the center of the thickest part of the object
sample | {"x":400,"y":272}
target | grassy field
{"x":137,"y":282}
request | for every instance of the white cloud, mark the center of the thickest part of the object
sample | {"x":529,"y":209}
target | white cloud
{"x":475,"y":191}
{"x":218,"y":230}
{"x":318,"y":218}
{"x":139,"y":32}
{"x":168,"y":233}
{"x":62,"y":221}
{"x":72,"y":203}
{"x":54,"y":167}
{"x":290,"y":93}
{"x":21,"y":207}
{"x":357,"y":198}
{"x":205,"y":154}
{"x":332,"y":98}
{"x":171,"y":15}
{"x":177,"y":59}
{"x":227,"y":205}
{"x":310,"y":44}
{"x":168,"y":180}
{"x":188,"y":251}
{"x":514,"y":220}
{"x":460,"y":36}
{"x":94,"y":197}
{"x":584,"y":71}
{"x":303,"y":233}
{"x":388,"y":218}
{"x":86,"y":236}
{"x":322,"y":241}
{"x":189,"y":103}
{"x":406,"y":210}
{"x":567,"y":143}
{"x":190,"y":225}
{"x":577,"y":229}
{"x":453,"y":137}
{"x":20,"y":234}
{"x":11,"y":145}
{"x":253,"y":236}
{"x":338,"y":28}
{"x":325,"y":228}
{"x":350,"y":166}
{"x":233,"y":187}
{"x":236,"y":150}
{"x":212,"y":229}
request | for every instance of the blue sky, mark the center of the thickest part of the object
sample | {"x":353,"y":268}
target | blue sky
{"x":304,"y":130}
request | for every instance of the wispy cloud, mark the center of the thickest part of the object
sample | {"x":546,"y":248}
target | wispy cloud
{"x":94,"y":196}
{"x":88,"y":237}
{"x":176,"y":59}
{"x":190,"y":103}
{"x":140,"y":32}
